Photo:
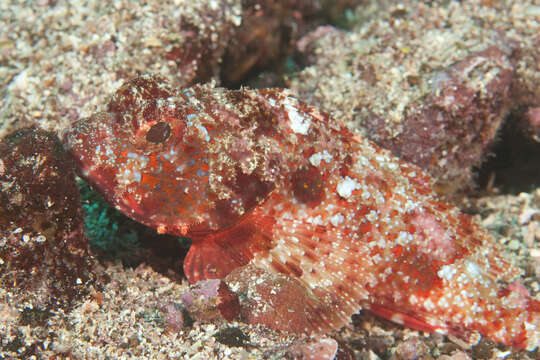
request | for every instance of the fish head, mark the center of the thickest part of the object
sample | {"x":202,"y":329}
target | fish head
{"x":145,"y":159}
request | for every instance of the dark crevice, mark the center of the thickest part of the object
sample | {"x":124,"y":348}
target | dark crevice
{"x":514,"y":166}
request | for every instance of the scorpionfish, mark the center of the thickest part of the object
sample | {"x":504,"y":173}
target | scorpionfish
{"x":259,"y":178}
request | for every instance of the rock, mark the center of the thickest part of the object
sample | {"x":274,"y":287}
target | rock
{"x":44,"y":258}
{"x":430,"y":82}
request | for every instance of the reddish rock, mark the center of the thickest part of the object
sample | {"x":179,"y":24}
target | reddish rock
{"x":430,"y":82}
{"x":44,"y":259}
{"x":266,"y":36}
{"x":211,"y":299}
{"x":411,"y":349}
{"x":175,"y":318}
{"x":317,"y":348}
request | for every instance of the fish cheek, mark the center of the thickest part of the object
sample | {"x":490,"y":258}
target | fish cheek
{"x":307,"y":186}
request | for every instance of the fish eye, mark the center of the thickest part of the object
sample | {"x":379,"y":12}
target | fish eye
{"x":158,"y":133}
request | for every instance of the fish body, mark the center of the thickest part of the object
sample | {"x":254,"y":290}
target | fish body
{"x":256,"y":177}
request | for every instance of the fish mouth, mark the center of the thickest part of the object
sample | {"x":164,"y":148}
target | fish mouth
{"x":90,"y":143}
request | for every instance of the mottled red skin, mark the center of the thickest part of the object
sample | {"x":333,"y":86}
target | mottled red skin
{"x":259,"y":178}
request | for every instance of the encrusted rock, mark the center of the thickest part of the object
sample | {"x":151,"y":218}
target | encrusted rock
{"x":430,"y":81}
{"x":44,"y":259}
